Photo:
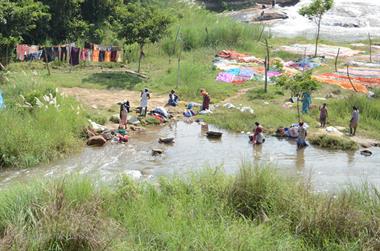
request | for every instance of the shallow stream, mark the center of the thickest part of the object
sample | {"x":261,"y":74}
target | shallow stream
{"x":192,"y":151}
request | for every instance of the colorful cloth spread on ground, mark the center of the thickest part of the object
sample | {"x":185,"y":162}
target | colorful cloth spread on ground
{"x":323,"y":50}
{"x":304,"y":63}
{"x":237,"y":67}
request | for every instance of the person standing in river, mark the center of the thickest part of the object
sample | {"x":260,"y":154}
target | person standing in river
{"x":145,"y":96}
{"x":302,"y":134}
{"x":354,"y":120}
{"x":323,"y":113}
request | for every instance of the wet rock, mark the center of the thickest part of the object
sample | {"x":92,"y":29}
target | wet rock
{"x":115,"y":118}
{"x":166,"y":140}
{"x":157,"y":151}
{"x":269,"y":15}
{"x":366,"y":153}
{"x":96,"y":141}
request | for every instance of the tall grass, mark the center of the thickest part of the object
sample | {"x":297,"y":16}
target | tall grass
{"x":33,"y":135}
{"x":369,"y":113}
{"x":256,"y":210}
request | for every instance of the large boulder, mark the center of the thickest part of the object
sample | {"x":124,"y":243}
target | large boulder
{"x":269,"y":15}
{"x":96,"y":141}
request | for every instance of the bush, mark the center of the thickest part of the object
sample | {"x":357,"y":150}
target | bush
{"x":31,"y":135}
{"x":333,"y":142}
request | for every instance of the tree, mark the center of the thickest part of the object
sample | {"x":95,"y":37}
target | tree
{"x":137,"y":23}
{"x":18,"y":19}
{"x":297,"y":85}
{"x":315,"y":11}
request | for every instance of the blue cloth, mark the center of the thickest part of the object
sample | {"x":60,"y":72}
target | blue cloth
{"x":306,"y":102}
{"x":2,"y":105}
{"x":234,"y":71}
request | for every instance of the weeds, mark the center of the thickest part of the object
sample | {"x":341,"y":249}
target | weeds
{"x":333,"y":142}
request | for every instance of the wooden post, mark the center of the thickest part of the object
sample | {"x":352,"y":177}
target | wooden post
{"x":370,"y":47}
{"x":266,"y":74}
{"x":336,"y":60}
{"x":267,"y":49}
{"x":349,"y":79}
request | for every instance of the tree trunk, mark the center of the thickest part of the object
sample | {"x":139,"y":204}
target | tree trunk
{"x":298,"y":109}
{"x":46,"y":62}
{"x":140,"y":57}
{"x":266,"y":75}
{"x":317,"y":38}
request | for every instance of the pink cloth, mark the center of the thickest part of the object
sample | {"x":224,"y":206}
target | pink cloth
{"x":84,"y":54}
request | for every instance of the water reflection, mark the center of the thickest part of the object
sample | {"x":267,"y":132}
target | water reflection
{"x":300,"y":159}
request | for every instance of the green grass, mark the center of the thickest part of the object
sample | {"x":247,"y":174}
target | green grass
{"x":30,"y":136}
{"x":258,"y":209}
{"x":333,"y":142}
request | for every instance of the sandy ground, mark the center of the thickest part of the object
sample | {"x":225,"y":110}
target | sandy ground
{"x":105,"y":99}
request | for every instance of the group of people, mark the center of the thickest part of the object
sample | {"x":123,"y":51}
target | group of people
{"x":172,"y":101}
{"x":301,"y":131}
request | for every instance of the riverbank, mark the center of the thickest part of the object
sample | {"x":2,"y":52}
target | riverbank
{"x":205,"y":211}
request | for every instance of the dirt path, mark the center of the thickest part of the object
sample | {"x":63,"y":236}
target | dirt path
{"x":105,"y":99}
{"x":240,"y":93}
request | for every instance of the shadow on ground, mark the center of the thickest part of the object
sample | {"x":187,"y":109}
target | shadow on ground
{"x":118,"y":80}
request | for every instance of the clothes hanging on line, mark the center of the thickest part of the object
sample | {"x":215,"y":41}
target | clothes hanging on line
{"x":74,"y":56}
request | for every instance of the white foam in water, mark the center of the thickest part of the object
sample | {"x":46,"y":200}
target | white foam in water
{"x":348,"y":20}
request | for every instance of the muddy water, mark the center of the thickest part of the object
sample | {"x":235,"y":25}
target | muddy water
{"x":193,"y":151}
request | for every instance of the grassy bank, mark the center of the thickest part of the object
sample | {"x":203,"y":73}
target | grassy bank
{"x":256,"y":210}
{"x":31,"y":134}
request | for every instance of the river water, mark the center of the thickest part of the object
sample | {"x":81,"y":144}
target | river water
{"x":192,"y":151}
{"x":348,"y":20}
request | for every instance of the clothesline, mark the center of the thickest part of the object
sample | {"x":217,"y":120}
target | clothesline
{"x":90,"y":53}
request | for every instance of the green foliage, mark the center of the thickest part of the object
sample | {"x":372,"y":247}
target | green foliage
{"x":316,"y":8}
{"x":333,"y":142}
{"x":206,"y":211}
{"x":34,"y":135}
{"x":18,"y":19}
{"x":298,"y":84}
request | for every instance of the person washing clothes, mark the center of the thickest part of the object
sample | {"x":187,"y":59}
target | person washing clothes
{"x":302,"y":134}
{"x":188,"y":113}
{"x":124,"y":110}
{"x":145,"y":96}
{"x":258,"y":136}
{"x":206,"y":102}
{"x":173,"y":98}
{"x":354,"y":120}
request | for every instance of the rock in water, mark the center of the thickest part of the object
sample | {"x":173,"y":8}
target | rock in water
{"x":157,"y":151}
{"x":96,"y":141}
{"x":366,"y":153}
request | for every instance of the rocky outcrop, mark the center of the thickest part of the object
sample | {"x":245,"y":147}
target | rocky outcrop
{"x":257,"y":14}
{"x":221,"y":5}
{"x":282,"y":3}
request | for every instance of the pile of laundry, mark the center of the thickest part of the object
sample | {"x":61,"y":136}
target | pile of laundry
{"x":240,"y":108}
{"x":290,"y":132}
{"x":161,"y":114}
{"x":362,"y":76}
{"x":328,"y":51}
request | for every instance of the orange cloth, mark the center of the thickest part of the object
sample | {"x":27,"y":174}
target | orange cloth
{"x":107,"y":57}
{"x":95,"y":56}
{"x":345,"y":84}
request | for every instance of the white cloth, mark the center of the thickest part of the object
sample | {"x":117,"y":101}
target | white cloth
{"x":144,"y":99}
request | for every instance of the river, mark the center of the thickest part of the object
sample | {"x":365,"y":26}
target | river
{"x":348,"y":20}
{"x":192,"y":151}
